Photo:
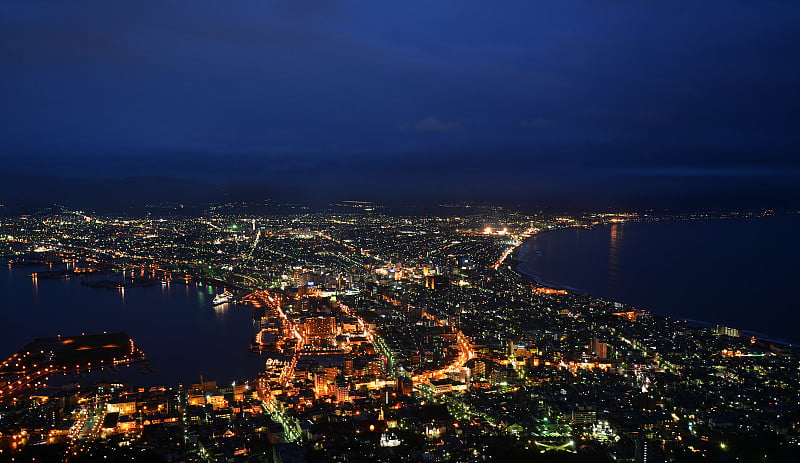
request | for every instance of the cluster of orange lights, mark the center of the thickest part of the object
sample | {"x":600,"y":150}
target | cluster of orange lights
{"x":541,"y":290}
{"x":631,"y":315}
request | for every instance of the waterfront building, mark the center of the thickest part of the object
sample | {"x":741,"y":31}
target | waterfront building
{"x":727,"y":331}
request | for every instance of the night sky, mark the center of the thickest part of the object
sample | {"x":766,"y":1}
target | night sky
{"x":595,"y":103}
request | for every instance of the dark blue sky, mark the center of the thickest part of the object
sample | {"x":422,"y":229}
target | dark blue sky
{"x":475,"y":99}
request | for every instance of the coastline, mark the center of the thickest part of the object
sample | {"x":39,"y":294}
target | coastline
{"x":518,"y":257}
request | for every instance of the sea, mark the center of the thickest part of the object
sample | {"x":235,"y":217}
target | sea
{"x":181,"y":332}
{"x":742,"y":273}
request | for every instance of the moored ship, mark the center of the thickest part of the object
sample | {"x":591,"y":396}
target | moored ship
{"x":226,"y":296}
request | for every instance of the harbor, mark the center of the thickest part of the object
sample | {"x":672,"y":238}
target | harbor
{"x":155,"y":314}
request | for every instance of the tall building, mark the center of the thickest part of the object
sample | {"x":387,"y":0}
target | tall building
{"x":480,"y":369}
{"x":599,"y":349}
{"x":342,"y":388}
{"x":320,"y":384}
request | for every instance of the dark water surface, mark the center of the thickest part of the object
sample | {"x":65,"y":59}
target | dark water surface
{"x":176,"y":326}
{"x":743,"y":273}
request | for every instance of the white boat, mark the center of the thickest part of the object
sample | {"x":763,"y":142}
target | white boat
{"x":226,"y":296}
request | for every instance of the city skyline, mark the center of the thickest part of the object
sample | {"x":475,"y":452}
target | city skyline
{"x":399,"y":338}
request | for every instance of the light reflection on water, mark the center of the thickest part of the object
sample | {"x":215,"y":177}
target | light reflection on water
{"x":614,"y":248}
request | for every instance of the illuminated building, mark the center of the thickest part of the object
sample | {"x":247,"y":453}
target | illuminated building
{"x":320,"y":327}
{"x":599,"y":349}
{"x":348,"y":365}
{"x":239,"y":391}
{"x":727,"y":331}
{"x":342,"y":390}
{"x":584,"y":415}
{"x":462,"y":375}
{"x":389,"y":439}
{"x":123,"y":408}
{"x":320,"y":384}
{"x":480,"y":369}
{"x":405,"y":385}
{"x":436,"y":282}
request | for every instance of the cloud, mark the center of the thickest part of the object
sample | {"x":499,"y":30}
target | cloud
{"x":432,"y":124}
{"x":538,"y":122}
